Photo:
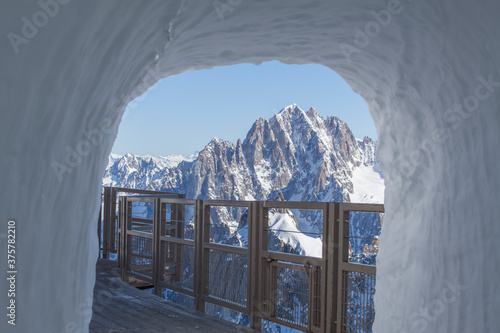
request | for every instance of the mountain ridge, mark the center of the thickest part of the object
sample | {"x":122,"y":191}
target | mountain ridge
{"x":297,"y":153}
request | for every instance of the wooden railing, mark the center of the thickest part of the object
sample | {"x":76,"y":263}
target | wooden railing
{"x":177,"y":249}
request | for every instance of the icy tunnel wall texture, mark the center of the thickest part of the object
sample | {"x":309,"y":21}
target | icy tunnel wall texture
{"x":429,"y":73}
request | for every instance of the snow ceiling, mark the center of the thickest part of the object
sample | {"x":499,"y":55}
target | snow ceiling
{"x":428,"y":69}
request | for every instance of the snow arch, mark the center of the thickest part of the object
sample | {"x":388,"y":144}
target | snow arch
{"x":429,"y":71}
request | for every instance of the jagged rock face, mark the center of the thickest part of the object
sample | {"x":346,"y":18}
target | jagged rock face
{"x":220,"y":172}
{"x":298,"y":154}
{"x":305,"y":156}
{"x":146,"y":173}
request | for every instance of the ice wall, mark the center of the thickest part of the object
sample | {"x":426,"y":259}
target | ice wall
{"x":70,"y":67}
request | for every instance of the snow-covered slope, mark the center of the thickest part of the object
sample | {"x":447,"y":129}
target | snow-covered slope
{"x":368,"y":185}
{"x":170,"y":161}
{"x":288,"y":232}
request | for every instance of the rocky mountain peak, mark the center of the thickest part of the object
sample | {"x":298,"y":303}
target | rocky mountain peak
{"x":292,"y":156}
{"x":300,"y":154}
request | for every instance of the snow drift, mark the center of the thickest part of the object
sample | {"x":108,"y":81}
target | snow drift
{"x":429,"y":71}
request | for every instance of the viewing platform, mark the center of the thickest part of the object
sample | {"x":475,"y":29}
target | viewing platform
{"x":251,"y":275}
{"x":119,"y":307}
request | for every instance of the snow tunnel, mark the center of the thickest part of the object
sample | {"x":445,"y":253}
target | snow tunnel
{"x":429,"y":71}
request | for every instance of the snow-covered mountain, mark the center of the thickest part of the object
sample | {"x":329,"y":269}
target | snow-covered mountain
{"x":293,"y":156}
{"x":297,"y":153}
{"x":136,"y":171}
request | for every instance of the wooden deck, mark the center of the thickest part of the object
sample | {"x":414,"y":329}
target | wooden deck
{"x":119,"y":307}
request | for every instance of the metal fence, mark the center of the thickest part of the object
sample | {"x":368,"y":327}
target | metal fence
{"x":355,"y":281}
{"x":107,"y":224}
{"x":313,"y":293}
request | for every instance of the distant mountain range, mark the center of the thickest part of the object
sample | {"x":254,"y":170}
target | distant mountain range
{"x":293,"y":156}
{"x":297,"y":153}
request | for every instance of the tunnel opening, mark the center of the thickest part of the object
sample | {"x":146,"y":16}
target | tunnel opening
{"x":295,"y":135}
{"x":419,"y":73}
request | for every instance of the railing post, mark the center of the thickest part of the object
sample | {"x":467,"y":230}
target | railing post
{"x":310,"y":307}
{"x":106,"y":222}
{"x":198,"y":248}
{"x":119,"y":226}
{"x":178,"y":217}
{"x":157,"y":272}
{"x":112,"y":225}
{"x":342,"y":256}
{"x":263,"y":266}
{"x":319,"y":285}
{"x":205,"y":253}
{"x":99,"y":229}
{"x":124,"y":220}
{"x":332,"y":293}
{"x":254,"y":274}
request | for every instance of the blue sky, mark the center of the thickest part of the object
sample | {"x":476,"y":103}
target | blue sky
{"x":181,"y":114}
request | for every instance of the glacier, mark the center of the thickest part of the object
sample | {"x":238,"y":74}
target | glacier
{"x":428,"y":70}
